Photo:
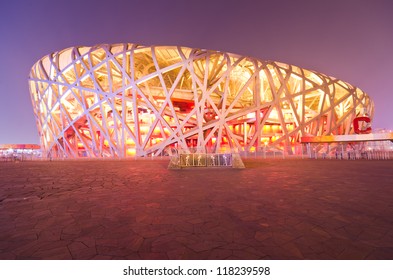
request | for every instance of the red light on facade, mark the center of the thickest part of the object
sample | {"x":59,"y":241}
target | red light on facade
{"x":366,"y":129}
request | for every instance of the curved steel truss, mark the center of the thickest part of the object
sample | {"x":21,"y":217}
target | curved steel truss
{"x":126,"y":100}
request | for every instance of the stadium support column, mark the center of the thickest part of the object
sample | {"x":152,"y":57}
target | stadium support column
{"x":309,"y":149}
{"x":257,"y":101}
{"x":245,"y":135}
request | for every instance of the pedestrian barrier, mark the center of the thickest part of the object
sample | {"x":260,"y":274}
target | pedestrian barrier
{"x":204,"y":160}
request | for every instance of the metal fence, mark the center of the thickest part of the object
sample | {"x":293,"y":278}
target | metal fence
{"x":205,"y":160}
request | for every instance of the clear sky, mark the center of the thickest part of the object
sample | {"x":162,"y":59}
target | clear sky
{"x":348,"y":39}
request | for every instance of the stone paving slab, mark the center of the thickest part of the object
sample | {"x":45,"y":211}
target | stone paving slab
{"x":139,"y":209}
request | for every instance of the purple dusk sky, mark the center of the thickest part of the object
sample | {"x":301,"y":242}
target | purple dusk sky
{"x":351,"y":40}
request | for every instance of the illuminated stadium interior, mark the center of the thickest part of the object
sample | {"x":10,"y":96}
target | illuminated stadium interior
{"x":128,"y":100}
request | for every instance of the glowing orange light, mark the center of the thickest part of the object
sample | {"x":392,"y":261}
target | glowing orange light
{"x":129,"y":142}
{"x":131,"y":151}
{"x":265,"y":141}
{"x":223,"y":149}
{"x":144,"y":129}
{"x":157,"y":130}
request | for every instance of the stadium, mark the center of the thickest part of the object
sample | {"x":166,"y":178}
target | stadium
{"x":127,"y":100}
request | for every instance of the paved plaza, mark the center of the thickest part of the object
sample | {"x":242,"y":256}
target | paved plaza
{"x":139,"y":209}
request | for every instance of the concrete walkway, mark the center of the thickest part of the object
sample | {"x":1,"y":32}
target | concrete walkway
{"x":273,"y":209}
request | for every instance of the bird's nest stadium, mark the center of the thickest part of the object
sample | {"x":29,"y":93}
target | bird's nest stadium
{"x":126,"y":100}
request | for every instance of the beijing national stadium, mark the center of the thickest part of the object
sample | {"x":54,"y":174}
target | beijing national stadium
{"x":128,"y":100}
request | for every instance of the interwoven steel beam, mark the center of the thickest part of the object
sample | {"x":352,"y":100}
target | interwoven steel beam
{"x":130,"y":100}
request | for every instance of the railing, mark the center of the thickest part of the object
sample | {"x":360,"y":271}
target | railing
{"x":204,"y":160}
{"x":19,"y":157}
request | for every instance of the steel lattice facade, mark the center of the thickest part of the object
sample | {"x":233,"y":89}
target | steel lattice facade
{"x":130,"y":100}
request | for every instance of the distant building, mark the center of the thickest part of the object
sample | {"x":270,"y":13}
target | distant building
{"x":19,"y":151}
{"x":129,"y":100}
